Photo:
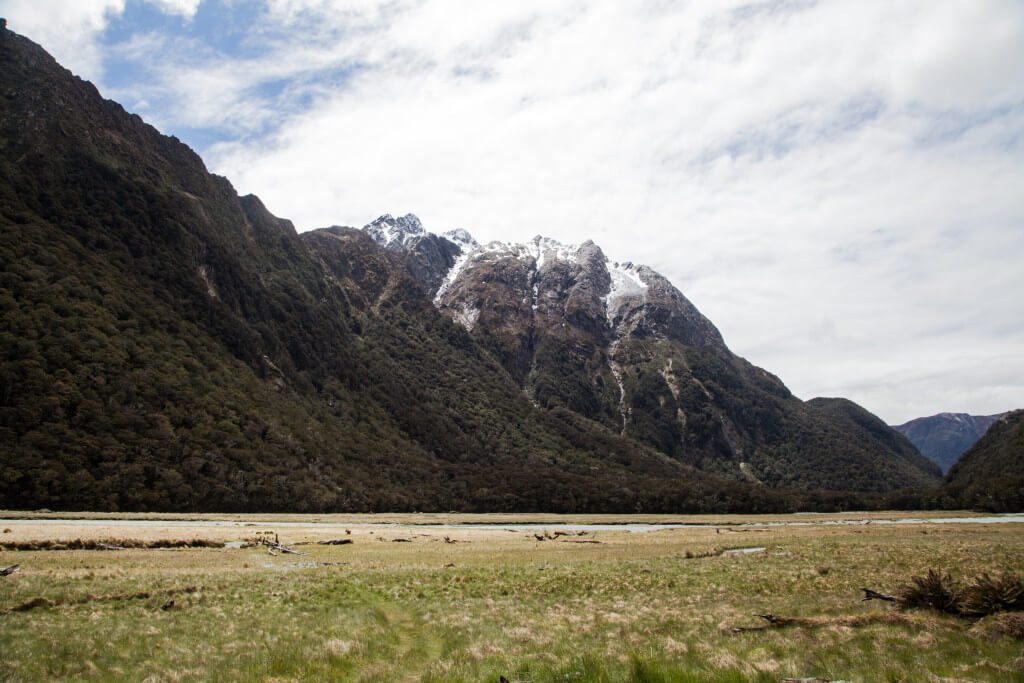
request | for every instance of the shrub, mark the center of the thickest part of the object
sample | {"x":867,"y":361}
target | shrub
{"x":934,"y":591}
{"x":988,"y":595}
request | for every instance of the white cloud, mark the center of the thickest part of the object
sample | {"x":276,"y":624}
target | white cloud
{"x":67,"y":30}
{"x":836,"y":185}
{"x":184,"y":8}
{"x":70,"y":29}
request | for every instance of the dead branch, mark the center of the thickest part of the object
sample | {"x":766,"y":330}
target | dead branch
{"x":275,"y":545}
{"x":875,"y":595}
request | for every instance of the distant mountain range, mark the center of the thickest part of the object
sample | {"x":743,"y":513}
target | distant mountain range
{"x":169,"y":345}
{"x":990,"y":475}
{"x":943,"y":438}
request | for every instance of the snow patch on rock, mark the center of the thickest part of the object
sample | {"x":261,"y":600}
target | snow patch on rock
{"x":394,"y":233}
{"x":626,"y":284}
{"x":467,"y":316}
{"x":461,"y":261}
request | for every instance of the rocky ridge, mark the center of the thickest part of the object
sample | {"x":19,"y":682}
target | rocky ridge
{"x":617,"y":343}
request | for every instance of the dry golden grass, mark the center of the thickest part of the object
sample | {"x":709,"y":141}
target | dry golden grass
{"x":495,"y":602}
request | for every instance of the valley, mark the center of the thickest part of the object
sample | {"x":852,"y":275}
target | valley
{"x":406,"y":600}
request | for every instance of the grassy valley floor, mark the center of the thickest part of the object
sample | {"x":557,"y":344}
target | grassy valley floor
{"x":406,"y":602}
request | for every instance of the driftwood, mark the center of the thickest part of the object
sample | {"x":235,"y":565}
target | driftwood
{"x":875,"y":595}
{"x":13,"y":569}
{"x":108,"y":546}
{"x":274,"y":545}
{"x":332,"y":541}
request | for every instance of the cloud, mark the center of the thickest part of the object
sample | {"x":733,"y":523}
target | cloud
{"x":183,"y":8}
{"x":836,"y":185}
{"x":68,"y":30}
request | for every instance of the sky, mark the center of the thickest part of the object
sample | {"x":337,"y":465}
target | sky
{"x":837,"y":185}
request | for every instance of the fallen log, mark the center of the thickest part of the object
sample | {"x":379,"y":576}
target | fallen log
{"x":274,"y":545}
{"x":332,"y":541}
{"x":13,"y":569}
{"x":109,"y":546}
{"x":582,"y":540}
{"x":875,"y":595}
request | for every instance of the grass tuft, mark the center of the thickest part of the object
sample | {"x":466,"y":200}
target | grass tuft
{"x":988,"y":595}
{"x":935,"y":591}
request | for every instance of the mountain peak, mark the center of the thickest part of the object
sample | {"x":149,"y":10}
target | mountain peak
{"x":395,"y":233}
{"x":462,"y":238}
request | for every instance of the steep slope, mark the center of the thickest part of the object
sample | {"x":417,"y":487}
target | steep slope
{"x":168,"y":345}
{"x":943,"y":438}
{"x":618,"y":344}
{"x":990,"y":475}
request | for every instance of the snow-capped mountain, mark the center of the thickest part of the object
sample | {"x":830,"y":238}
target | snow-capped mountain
{"x":617,"y":343}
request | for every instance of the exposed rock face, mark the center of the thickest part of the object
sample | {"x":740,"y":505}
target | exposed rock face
{"x":428,"y":257}
{"x":943,"y":438}
{"x":618,"y":343}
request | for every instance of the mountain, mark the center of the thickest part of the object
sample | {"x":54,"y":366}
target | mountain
{"x":943,"y":438}
{"x":169,"y":345}
{"x":618,"y":344}
{"x":990,"y":475}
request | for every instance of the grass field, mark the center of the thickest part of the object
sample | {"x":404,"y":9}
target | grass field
{"x":485,"y":603}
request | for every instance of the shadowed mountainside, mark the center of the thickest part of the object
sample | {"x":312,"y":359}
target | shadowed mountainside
{"x":943,"y":438}
{"x":990,"y":475}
